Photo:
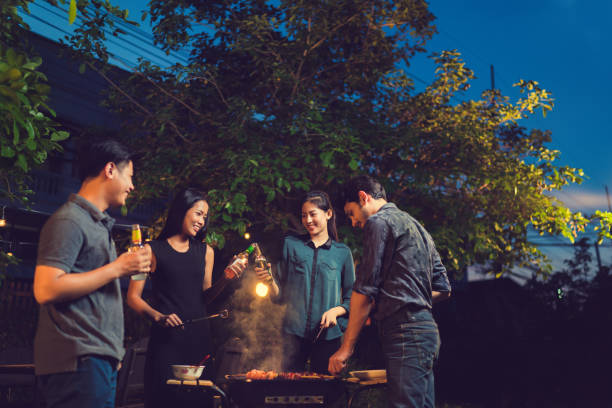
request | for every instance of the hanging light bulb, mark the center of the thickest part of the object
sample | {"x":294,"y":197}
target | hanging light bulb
{"x":247,"y":236}
{"x":261,"y":289}
{"x":2,"y":220}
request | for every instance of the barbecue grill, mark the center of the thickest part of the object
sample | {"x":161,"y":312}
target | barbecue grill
{"x":281,"y":392}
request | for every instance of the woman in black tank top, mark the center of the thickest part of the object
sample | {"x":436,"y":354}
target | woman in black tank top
{"x":182,"y":269}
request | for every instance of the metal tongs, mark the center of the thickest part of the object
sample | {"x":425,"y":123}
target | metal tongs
{"x":224,"y":314}
{"x":321,"y":328}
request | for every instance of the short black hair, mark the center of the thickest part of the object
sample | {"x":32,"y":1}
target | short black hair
{"x":183,"y":201}
{"x":368,"y":184}
{"x":94,"y":156}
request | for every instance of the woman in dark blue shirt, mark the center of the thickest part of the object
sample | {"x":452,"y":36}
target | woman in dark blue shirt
{"x":315,"y":280}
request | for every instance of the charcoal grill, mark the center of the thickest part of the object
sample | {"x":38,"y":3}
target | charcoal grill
{"x":281,"y":392}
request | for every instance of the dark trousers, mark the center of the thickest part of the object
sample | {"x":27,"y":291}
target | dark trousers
{"x":297,"y":351}
{"x":410,"y":343}
{"x":92,"y":385}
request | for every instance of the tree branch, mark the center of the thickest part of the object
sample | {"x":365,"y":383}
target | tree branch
{"x":163,"y":90}
{"x":216,"y":87}
{"x":132,"y":100}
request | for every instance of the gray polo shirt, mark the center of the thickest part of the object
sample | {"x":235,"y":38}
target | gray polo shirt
{"x":76,"y":239}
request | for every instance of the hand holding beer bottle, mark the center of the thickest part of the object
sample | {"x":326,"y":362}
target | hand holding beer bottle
{"x":263,"y":270}
{"x":232,"y":271}
{"x":137,"y":245}
{"x":238,"y":264}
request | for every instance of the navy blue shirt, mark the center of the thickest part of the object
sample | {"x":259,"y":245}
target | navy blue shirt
{"x":401,"y":266}
{"x":312,"y":281}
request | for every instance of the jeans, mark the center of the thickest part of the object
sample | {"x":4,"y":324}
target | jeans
{"x":410,"y":343}
{"x":93,"y":384}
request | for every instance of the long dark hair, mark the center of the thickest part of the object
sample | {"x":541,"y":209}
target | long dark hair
{"x":183,"y":201}
{"x":322,"y":201}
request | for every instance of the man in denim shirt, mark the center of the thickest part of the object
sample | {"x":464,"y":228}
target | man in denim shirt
{"x":402,"y":275}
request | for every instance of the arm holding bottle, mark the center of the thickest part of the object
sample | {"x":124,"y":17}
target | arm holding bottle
{"x":274,"y":280}
{"x":232,"y":271}
{"x":53,"y":281}
{"x":265,"y":276}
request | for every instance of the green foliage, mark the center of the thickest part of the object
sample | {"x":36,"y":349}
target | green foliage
{"x":567,"y":292}
{"x":28,"y":133}
{"x":282,"y":97}
{"x":98,"y":17}
{"x":12,"y":24}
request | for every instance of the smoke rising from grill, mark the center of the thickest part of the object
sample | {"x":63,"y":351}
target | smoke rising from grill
{"x":258,"y":322}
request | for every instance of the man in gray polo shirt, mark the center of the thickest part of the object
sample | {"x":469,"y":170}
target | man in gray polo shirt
{"x":79,"y":339}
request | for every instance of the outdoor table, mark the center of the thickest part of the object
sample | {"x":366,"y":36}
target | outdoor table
{"x":18,"y":375}
{"x":17,"y":369}
{"x":203,"y":385}
{"x":363,"y":385}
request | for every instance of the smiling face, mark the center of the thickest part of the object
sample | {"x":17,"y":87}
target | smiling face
{"x":121,"y":178}
{"x":315,"y":219}
{"x":195,"y":218}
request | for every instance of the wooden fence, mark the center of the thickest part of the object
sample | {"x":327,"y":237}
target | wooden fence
{"x":18,"y":313}
{"x":16,"y":295}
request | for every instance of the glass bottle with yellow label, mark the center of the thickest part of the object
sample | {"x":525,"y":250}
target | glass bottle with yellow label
{"x":135,"y":246}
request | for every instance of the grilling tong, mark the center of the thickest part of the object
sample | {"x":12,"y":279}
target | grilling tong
{"x":224,"y":314}
{"x":321,"y":328}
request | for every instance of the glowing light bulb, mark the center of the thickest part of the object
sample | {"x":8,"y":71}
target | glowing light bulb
{"x":2,"y":222}
{"x":247,"y":235}
{"x":9,"y":254}
{"x":261,"y":289}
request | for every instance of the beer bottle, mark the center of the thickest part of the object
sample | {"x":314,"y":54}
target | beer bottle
{"x":261,"y":289}
{"x":260,"y":260}
{"x":135,"y":246}
{"x":232,"y":271}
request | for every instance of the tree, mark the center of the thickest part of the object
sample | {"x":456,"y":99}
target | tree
{"x":566,"y":292}
{"x":282,"y":97}
{"x":27,"y":131}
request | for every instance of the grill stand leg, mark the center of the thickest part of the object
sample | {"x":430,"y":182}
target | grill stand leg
{"x":359,"y":390}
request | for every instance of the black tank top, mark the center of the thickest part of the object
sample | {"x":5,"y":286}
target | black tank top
{"x":178,"y":278}
{"x":177,"y":288}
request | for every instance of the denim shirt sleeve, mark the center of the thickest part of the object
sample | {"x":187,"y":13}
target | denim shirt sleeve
{"x":348,"y":280}
{"x":439,"y":282}
{"x":369,"y":274}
